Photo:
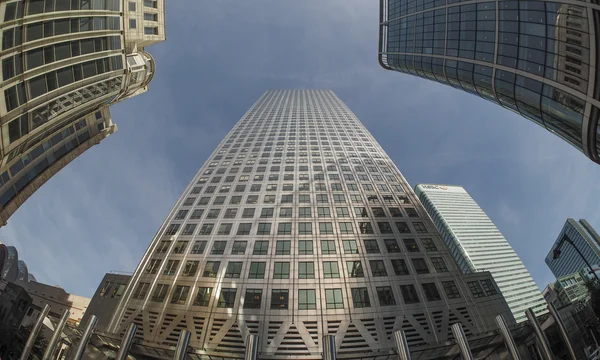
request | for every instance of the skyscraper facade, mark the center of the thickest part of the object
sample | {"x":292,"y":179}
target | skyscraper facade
{"x":587,"y":241}
{"x":478,"y":245}
{"x":64,"y":62}
{"x":297,"y":226}
{"x":535,"y":58}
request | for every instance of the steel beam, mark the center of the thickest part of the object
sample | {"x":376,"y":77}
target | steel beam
{"x":34,"y":333}
{"x":126,"y":342}
{"x":60,"y":325}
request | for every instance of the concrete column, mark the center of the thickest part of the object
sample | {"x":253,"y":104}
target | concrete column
{"x":461,"y":341}
{"x":182,"y":345}
{"x":329,"y":347}
{"x":541,"y":337}
{"x":401,"y":345}
{"x":563,"y":330}
{"x":85,"y":337}
{"x":60,"y":325}
{"x":126,"y":342}
{"x":508,"y":339}
{"x":251,"y":347}
{"x":34,"y":333}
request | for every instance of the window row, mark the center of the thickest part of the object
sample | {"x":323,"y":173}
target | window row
{"x":300,"y":199}
{"x":291,"y":177}
{"x":15,"y":10}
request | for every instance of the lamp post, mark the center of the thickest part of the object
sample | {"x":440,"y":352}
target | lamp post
{"x":556,"y":253}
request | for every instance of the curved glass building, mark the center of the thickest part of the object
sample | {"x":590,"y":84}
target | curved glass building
{"x":64,"y":62}
{"x":535,"y":58}
{"x":298,"y":226}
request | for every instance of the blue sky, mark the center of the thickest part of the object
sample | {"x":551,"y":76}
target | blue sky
{"x":101,"y":212}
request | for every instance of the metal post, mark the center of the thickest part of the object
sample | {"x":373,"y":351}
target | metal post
{"x":461,"y":341}
{"x":56,"y":336}
{"x":401,"y":345}
{"x":329,"y":347}
{"x":541,"y":337}
{"x":126,"y":342}
{"x":563,"y":330}
{"x":182,"y":345}
{"x":85,"y":337}
{"x":34,"y":333}
{"x":508,"y":339}
{"x":251,"y":347}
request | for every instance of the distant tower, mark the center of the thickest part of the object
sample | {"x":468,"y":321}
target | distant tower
{"x":297,"y":226}
{"x":587,"y":241}
{"x":64,"y":62}
{"x":536,"y":58}
{"x":478,"y":245}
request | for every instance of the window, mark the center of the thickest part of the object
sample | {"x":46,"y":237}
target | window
{"x":450,"y":289}
{"x":378,"y":268}
{"x":279,"y":299}
{"x":252,"y":199}
{"x":322,"y":198}
{"x":224,"y":229}
{"x":429,"y":244}
{"x":346,"y":228}
{"x":439,"y":265}
{"x":239,"y":247}
{"x":235,"y":200}
{"x":323,"y":212}
{"x":260,"y":248}
{"x":402,"y":227}
{"x":333,"y":299}
{"x":190,"y":268}
{"x":371,"y":246}
{"x":285,"y":212}
{"x":476,"y":289}
{"x":339,"y":198}
{"x":350,"y":247}
{"x":227,"y":298}
{"x":203,"y":296}
{"x":384,"y":228}
{"x":400,"y":267}
{"x":244,"y":228}
{"x":330,"y":269}
{"x":199,"y":247}
{"x":206,"y":229}
{"x":204,"y":200}
{"x":419,"y":227}
{"x":304,"y":212}
{"x":281,"y":270}
{"x":411,"y":245}
{"x":211,"y":269}
{"x":234,"y":269}
{"x":304,"y":228}
{"x":160,"y":293}
{"x":282,"y":247}
{"x":391,"y":245}
{"x":327,"y":247}
{"x":306,"y":270}
{"x":264,"y":229}
{"x":325,"y":228}
{"x":140,"y":291}
{"x":409,"y":294}
{"x":361,"y":212}
{"x":218,"y":248}
{"x":172,"y":229}
{"x":305,"y":247}
{"x":360,"y":298}
{"x":284,"y":229}
{"x":431,"y":292}
{"x":197,"y":214}
{"x":266,"y":213}
{"x":252,"y":299}
{"x":420,"y":266}
{"x":355,"y":269}
{"x":180,"y":294}
{"x":257,"y":270}
{"x":163,"y":247}
{"x":488,"y":287}
{"x":307,"y":299}
{"x":378,"y":212}
{"x":385,"y":296}
{"x":395,"y":212}
{"x":171,"y":267}
{"x":287,"y":199}
{"x":132,"y":24}
{"x":342,"y":212}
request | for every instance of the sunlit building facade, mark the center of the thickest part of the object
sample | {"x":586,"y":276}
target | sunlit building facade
{"x":478,"y":245}
{"x":64,"y":62}
{"x":535,"y":58}
{"x":297,"y":226}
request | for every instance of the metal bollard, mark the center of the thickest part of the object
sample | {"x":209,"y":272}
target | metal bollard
{"x":461,"y":340}
{"x":544,"y":345}
{"x":34,"y":333}
{"x":126,"y":342}
{"x":85,"y":337}
{"x":182,"y":345}
{"x":508,"y":339}
{"x":563,"y":330}
{"x":401,"y":345}
{"x":56,"y":336}
{"x":251,"y":347}
{"x":329,"y":347}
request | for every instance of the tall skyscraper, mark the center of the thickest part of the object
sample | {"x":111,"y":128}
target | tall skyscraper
{"x":587,"y":241}
{"x":535,"y":58}
{"x":64,"y":62}
{"x":297,"y":226}
{"x":478,"y":245}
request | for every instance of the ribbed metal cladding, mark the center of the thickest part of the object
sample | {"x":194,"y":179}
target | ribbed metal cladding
{"x":298,"y":226}
{"x":535,"y":58}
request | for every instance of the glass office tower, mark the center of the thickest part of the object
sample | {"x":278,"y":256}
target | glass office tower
{"x":587,"y":241}
{"x":297,"y":226}
{"x":478,"y":245}
{"x":536,"y":58}
{"x":64,"y":62}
